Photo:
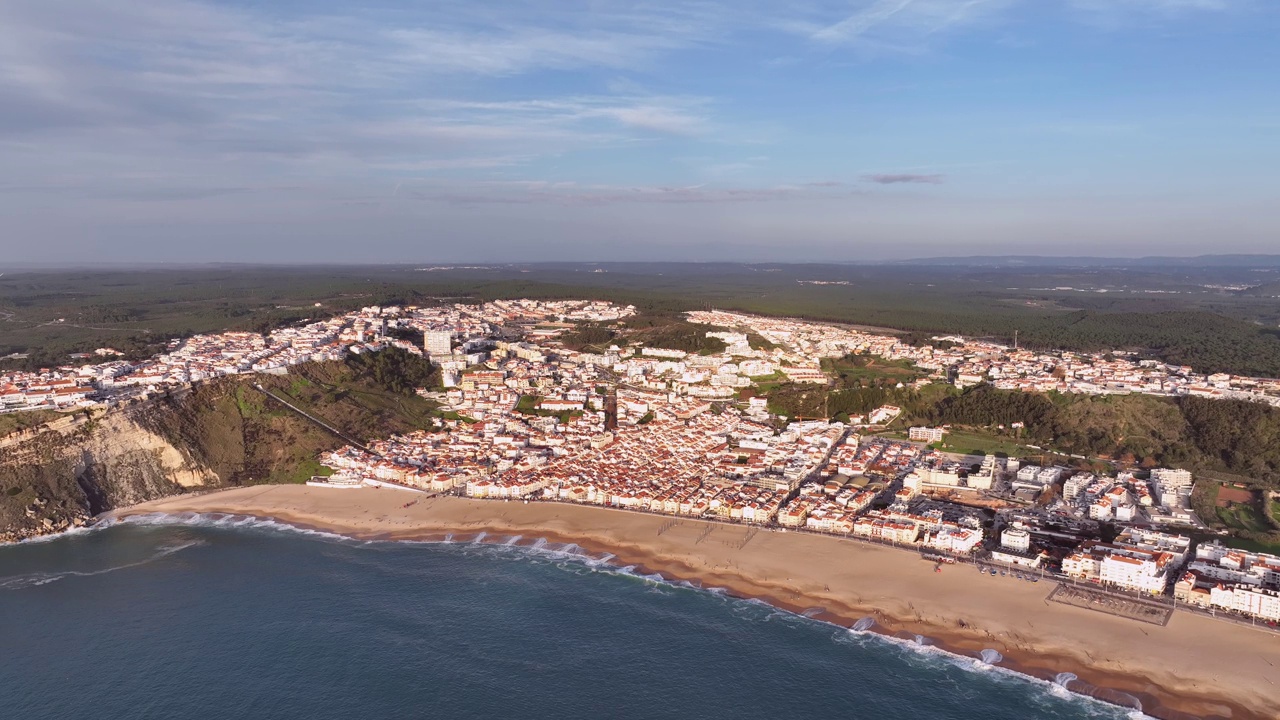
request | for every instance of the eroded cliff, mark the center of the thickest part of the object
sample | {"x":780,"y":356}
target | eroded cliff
{"x":64,"y":474}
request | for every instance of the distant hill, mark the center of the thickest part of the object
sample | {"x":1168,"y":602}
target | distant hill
{"x":1039,"y":261}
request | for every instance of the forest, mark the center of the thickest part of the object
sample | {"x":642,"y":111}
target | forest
{"x":394,"y":370}
{"x":1178,"y":313}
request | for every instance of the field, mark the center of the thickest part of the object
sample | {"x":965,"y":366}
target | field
{"x":1236,"y":510}
{"x":974,"y":442}
{"x":1272,"y":548}
{"x":855,"y":369}
{"x":1240,"y":509}
{"x":1240,"y":516}
{"x":1228,"y":495}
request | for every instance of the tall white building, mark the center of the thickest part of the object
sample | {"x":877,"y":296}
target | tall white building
{"x":438,"y":343}
{"x":926,"y":434}
{"x":1076,"y":484}
{"x":1171,"y":479}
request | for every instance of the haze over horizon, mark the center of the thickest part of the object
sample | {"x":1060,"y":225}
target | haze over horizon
{"x":189,"y":131}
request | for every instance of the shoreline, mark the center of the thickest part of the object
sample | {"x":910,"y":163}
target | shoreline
{"x":1204,"y":671}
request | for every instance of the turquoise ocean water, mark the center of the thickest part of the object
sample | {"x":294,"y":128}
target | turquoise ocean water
{"x":200,"y":617}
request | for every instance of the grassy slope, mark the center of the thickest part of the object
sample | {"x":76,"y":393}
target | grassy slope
{"x":16,"y":421}
{"x":247,"y":438}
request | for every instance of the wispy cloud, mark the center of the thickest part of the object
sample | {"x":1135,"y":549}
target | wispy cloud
{"x":186,"y":89}
{"x":1117,"y":14}
{"x":573,"y":194}
{"x":905,"y":178}
{"x":900,"y":24}
{"x":661,"y":114}
{"x":1160,"y":6}
{"x":918,"y":25}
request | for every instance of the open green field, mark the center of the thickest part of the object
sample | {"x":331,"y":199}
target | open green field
{"x":974,"y":442}
{"x":867,"y":369}
{"x":1248,"y":527}
{"x":1272,"y":548}
{"x":1242,"y":516}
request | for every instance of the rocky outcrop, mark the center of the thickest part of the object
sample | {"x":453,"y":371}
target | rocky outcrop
{"x":73,"y":469}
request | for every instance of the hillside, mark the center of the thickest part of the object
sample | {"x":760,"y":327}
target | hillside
{"x":217,"y":434}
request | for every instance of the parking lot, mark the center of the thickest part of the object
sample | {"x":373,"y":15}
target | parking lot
{"x":1152,"y":612}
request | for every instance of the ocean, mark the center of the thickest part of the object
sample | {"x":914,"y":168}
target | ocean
{"x":202,"y":618}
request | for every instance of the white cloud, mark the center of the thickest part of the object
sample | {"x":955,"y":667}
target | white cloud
{"x":1113,"y":15}
{"x":901,"y":23}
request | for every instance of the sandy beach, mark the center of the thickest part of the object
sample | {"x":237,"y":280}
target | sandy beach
{"x":1193,"y":667}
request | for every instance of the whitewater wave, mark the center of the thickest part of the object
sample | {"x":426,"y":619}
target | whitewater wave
{"x":227,"y":521}
{"x":922,"y":651}
{"x":864,"y":624}
{"x":68,"y":533}
{"x":36,"y":579}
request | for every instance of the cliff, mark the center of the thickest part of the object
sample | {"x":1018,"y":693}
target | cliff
{"x":63,"y":474}
{"x":216,"y":434}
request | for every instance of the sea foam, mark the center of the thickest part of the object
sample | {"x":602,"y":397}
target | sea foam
{"x":18,"y":582}
{"x":226,"y":521}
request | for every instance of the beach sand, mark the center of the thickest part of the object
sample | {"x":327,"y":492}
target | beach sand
{"x":1193,"y":667}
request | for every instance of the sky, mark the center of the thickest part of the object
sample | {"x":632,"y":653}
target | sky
{"x":513,"y":131}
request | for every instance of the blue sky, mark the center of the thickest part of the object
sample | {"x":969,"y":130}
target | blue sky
{"x":277,"y":130}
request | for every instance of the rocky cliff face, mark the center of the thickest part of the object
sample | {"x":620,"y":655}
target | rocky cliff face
{"x":64,"y":474}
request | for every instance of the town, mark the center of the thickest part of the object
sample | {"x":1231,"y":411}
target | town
{"x":651,"y":429}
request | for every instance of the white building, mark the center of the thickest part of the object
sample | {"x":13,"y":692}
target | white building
{"x":957,"y":540}
{"x":1076,"y":484}
{"x":1136,"y":570}
{"x":1264,"y":604}
{"x":1016,"y":537}
{"x":926,"y":434}
{"x":1238,"y":567}
{"x":1171,"y":479}
{"x":438,"y":343}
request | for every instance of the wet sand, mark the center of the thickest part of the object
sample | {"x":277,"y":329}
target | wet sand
{"x":1193,"y":667}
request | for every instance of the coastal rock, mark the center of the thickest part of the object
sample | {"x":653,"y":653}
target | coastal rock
{"x":67,"y":472}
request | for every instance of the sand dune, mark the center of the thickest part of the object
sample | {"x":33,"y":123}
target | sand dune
{"x":1195,"y":666}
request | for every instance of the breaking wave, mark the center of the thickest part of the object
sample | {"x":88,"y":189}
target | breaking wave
{"x":227,"y":522}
